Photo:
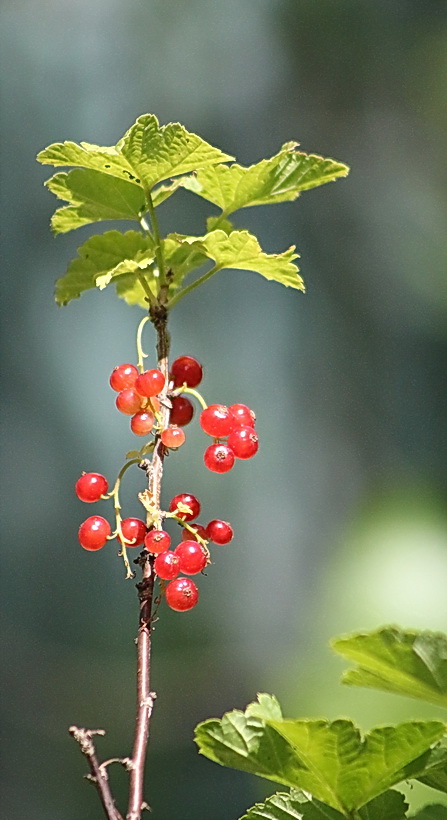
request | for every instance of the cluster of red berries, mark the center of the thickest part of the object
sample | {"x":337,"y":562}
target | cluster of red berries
{"x":189,"y":557}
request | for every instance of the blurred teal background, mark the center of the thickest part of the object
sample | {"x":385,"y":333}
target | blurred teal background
{"x":341,"y":520}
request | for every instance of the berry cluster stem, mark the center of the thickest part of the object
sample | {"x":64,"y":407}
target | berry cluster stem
{"x":145,"y":698}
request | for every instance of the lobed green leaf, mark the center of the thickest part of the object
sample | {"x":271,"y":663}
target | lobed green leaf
{"x":434,"y":812}
{"x":295,"y":806}
{"x":412,"y":663}
{"x":435,"y":772}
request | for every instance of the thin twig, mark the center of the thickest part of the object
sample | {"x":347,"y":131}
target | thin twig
{"x":145,"y":698}
{"x":98,"y":774}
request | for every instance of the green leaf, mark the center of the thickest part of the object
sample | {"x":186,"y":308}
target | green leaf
{"x":241,"y":250}
{"x":294,"y":806}
{"x":278,"y":179}
{"x":390,"y":805}
{"x":105,"y":257}
{"x":405,"y":662}
{"x":435,"y":772}
{"x":281,"y":806}
{"x":346,"y":771}
{"x":434,"y":812}
{"x":93,"y":197}
{"x":147,"y":153}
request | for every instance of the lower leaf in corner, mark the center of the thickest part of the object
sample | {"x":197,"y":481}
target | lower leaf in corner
{"x":295,"y":806}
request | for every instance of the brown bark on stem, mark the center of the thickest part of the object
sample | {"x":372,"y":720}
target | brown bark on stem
{"x":145,"y":698}
{"x":98,"y":774}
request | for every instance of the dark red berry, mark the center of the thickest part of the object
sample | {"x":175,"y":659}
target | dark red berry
{"x":134,"y":530}
{"x":128,"y":401}
{"x":243,"y":415}
{"x":167,"y":565}
{"x":186,"y":370}
{"x":123,"y":376}
{"x":187,"y":535}
{"x":217,"y":421}
{"x":244,"y":442}
{"x":182,"y":594}
{"x":219,"y":458}
{"x":150,"y":383}
{"x":91,"y":486}
{"x":173,"y":437}
{"x":182,"y":411}
{"x":220,"y":532}
{"x":93,"y":532}
{"x":188,"y":500}
{"x":192,"y":557}
{"x":142,"y":423}
{"x":156,"y":541}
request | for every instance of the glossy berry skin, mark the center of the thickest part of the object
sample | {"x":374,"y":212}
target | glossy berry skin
{"x":157,"y":541}
{"x":182,"y":594}
{"x":167,"y":565}
{"x":217,"y":421}
{"x":91,"y":486}
{"x":142,"y":423}
{"x":243,"y":415}
{"x":244,"y":442}
{"x":219,"y":532}
{"x":128,"y":401}
{"x":186,"y":370}
{"x":191,"y":501}
{"x":150,"y":383}
{"x":173,"y":437}
{"x":123,"y":376}
{"x":182,"y":411}
{"x":93,"y":532}
{"x":187,"y":535}
{"x":192,"y":557}
{"x":133,"y":528}
{"x":219,"y":458}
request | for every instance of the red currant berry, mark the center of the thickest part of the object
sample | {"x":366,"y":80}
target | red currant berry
{"x":173,"y":437}
{"x":93,"y":532}
{"x":123,"y":376}
{"x":134,"y":530}
{"x":186,"y":370}
{"x":182,"y":411}
{"x":219,"y":458}
{"x":142,"y":423}
{"x":189,"y":501}
{"x":217,"y":421}
{"x":243,"y":415}
{"x":156,"y":541}
{"x":187,"y":535}
{"x":182,"y":594}
{"x":244,"y":442}
{"x":91,"y":486}
{"x":220,"y":532}
{"x":192,"y":557}
{"x":128,"y":401}
{"x":150,"y":383}
{"x":167,"y":565}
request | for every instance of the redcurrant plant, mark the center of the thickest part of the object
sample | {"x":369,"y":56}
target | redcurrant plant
{"x":131,"y":180}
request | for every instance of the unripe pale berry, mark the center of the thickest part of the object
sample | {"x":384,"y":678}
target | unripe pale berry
{"x":192,"y":557}
{"x":157,"y":541}
{"x":167,"y":565}
{"x":217,"y":421}
{"x":219,"y":458}
{"x":93,"y":532}
{"x":91,"y":486}
{"x":123,"y":376}
{"x":142,"y":423}
{"x":172,"y":437}
{"x":244,"y":442}
{"x":182,"y":411}
{"x":182,"y":594}
{"x":220,"y":532}
{"x":134,"y":530}
{"x":186,"y":370}
{"x":150,"y":383}
{"x":190,"y":501}
{"x":128,"y":401}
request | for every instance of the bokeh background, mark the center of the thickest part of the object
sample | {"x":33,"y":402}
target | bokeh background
{"x":341,"y":520}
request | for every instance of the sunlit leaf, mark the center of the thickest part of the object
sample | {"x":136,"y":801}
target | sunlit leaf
{"x":278,"y":179}
{"x":405,"y":662}
{"x":93,"y":197}
{"x":390,"y":805}
{"x":102,"y":259}
{"x":281,"y":806}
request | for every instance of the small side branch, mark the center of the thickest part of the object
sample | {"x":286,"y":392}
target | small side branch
{"x":98,"y":774}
